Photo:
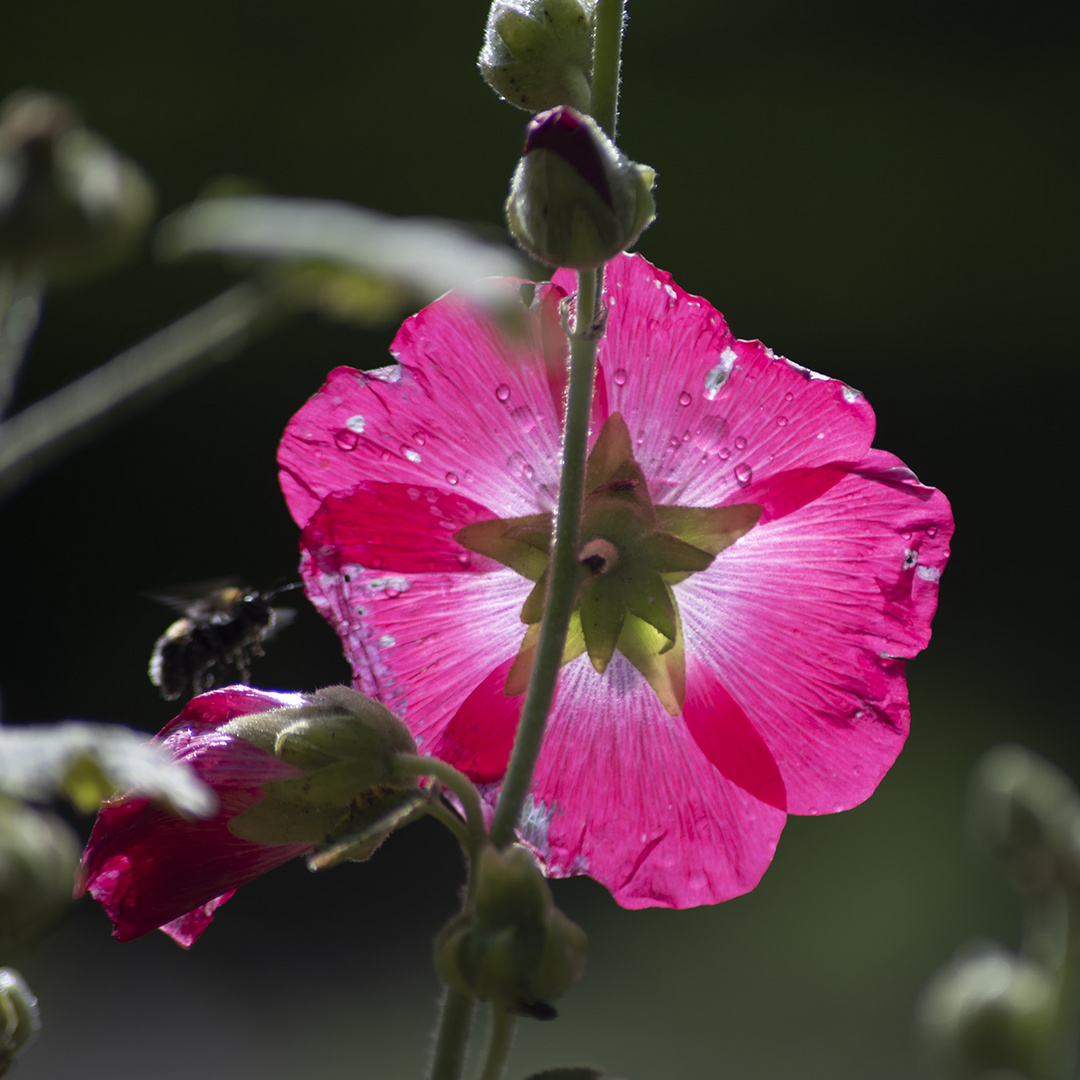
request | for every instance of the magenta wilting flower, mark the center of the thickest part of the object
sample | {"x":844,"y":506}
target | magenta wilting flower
{"x":150,"y":868}
{"x":788,"y":570}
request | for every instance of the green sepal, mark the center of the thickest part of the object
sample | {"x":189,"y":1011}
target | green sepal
{"x":517,"y":680}
{"x":613,"y":446}
{"x":710,"y":528}
{"x":602,"y":616}
{"x":650,"y":599}
{"x":668,"y":554}
{"x":662,"y":664}
{"x":512,"y":542}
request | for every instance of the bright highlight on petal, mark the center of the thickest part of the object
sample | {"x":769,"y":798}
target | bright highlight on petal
{"x":753,"y":576}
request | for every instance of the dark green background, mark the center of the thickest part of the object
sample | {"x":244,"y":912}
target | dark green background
{"x":884,"y":193}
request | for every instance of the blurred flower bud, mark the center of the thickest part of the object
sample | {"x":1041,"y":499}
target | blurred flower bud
{"x":987,"y":1012}
{"x":20,"y":1019}
{"x":38,"y":857}
{"x":538,"y":53}
{"x":1028,"y":813}
{"x":575,"y":199}
{"x":515,"y":947}
{"x":70,"y":205}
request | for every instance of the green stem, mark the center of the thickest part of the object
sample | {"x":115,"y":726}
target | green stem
{"x":455,"y":1022}
{"x":500,"y":1040}
{"x":564,"y":568}
{"x":607,"y":58}
{"x":20,"y":312}
{"x":45,"y":430}
{"x":457,"y":782}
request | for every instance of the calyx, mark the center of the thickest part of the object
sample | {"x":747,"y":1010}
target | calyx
{"x":632,"y":552}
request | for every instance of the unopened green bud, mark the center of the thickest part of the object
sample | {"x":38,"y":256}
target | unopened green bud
{"x":538,"y":53}
{"x":1028,"y":813}
{"x":70,"y":205}
{"x":576,"y":200}
{"x":515,"y":947}
{"x":989,"y":1012}
{"x":38,"y":857}
{"x":20,"y":1019}
{"x":345,"y":746}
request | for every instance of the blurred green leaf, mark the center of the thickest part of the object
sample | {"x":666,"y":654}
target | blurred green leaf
{"x":89,"y":762}
{"x":346,"y":260}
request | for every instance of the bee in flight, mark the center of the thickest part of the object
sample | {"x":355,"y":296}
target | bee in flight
{"x":223,"y":624}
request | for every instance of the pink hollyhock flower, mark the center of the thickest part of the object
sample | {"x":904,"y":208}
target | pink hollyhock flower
{"x":150,"y":868}
{"x":784,"y":691}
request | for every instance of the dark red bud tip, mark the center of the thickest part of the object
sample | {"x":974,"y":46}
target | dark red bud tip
{"x":563,"y":131}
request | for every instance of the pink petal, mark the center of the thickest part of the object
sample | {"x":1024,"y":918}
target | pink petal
{"x":420,"y":643}
{"x":805,"y":618}
{"x":186,"y":930}
{"x":480,"y":735}
{"x":709,"y":412}
{"x":623,"y":793}
{"x":218,"y":707}
{"x":399,"y":528}
{"x":148,"y":867}
{"x":469,"y":410}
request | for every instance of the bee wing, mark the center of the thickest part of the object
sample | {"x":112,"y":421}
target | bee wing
{"x":282,"y":617}
{"x":182,"y":598}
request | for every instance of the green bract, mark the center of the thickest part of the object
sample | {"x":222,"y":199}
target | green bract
{"x":538,"y":53}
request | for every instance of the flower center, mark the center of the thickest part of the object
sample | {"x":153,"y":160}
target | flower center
{"x":632,"y":553}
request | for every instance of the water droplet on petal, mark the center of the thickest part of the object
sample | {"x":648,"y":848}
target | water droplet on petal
{"x":620,"y":376}
{"x":685,"y":399}
{"x":502,"y":391}
{"x":412,"y":455}
{"x":376,"y":562}
{"x":463,"y":559}
{"x":420,"y":437}
{"x":346,"y":439}
{"x":905,"y":536}
{"x":781,"y":421}
{"x":740,"y":442}
{"x":355,"y":423}
{"x":718,"y":375}
{"x":932,"y":531}
{"x":743,"y":473}
{"x":451,"y":478}
{"x":523,"y":415}
{"x":392,"y":591}
{"x":385,"y":455}
{"x":724,"y":453}
{"x":674,"y":442}
{"x":640,"y":437}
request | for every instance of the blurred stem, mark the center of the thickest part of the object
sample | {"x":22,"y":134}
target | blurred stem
{"x":216,"y":331}
{"x":564,"y":567}
{"x":455,"y":1021}
{"x":607,"y":59}
{"x":458,"y":783}
{"x":500,"y":1040}
{"x":20,"y":312}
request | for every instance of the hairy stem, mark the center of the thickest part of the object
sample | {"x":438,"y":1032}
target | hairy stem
{"x":500,"y":1040}
{"x":607,"y":58}
{"x":20,"y":312}
{"x":565,"y":569}
{"x":452,"y":1040}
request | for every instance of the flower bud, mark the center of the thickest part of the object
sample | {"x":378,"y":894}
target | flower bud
{"x":38,"y":857}
{"x":70,"y":205}
{"x":20,"y":1019}
{"x":515,"y":946}
{"x":988,"y":1011}
{"x":344,"y":746}
{"x":575,"y":199}
{"x":1028,"y":813}
{"x":538,"y":53}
